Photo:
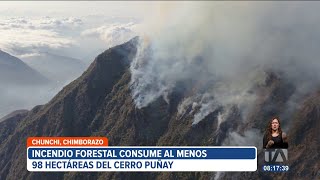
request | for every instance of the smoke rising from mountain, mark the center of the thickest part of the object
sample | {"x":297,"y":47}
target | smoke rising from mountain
{"x":224,"y":49}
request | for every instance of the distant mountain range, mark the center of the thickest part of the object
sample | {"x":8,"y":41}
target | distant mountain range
{"x":14,"y":71}
{"x":34,"y":80}
{"x":99,"y":103}
{"x":58,"y":68}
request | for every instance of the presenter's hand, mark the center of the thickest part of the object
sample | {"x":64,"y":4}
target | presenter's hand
{"x":270,"y":143}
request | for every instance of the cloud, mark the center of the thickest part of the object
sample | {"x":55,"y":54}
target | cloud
{"x":53,"y":23}
{"x":21,"y":41}
{"x":64,"y":35}
{"x":45,"y":22}
{"x":24,"y":36}
{"x":113,"y":34}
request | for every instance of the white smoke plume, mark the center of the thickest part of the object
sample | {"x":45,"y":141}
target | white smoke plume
{"x":250,"y":138}
{"x":222,"y":116}
{"x":207,"y":106}
{"x":200,"y":105}
{"x":188,"y":103}
{"x":224,"y":49}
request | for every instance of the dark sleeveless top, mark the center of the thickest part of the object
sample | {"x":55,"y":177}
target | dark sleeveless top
{"x":278,"y":143}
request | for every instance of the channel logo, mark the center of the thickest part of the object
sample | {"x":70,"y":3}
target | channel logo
{"x":275,"y":155}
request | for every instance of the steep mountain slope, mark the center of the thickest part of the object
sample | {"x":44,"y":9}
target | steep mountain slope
{"x":58,"y":68}
{"x":16,"y":72}
{"x":10,"y":122}
{"x":99,"y":103}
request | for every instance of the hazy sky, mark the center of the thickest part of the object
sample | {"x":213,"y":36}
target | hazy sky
{"x":67,"y":28}
{"x":76,"y":28}
{"x":72,"y":8}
